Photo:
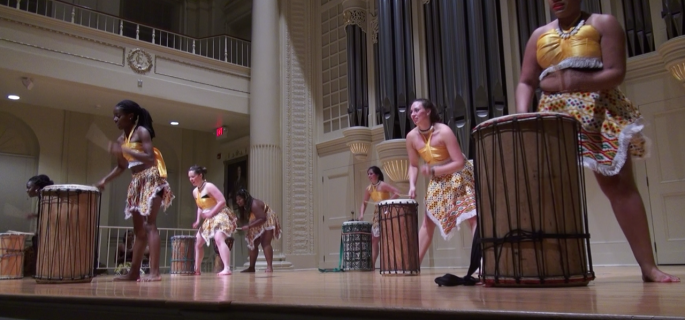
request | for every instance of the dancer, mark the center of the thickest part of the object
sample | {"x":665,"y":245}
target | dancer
{"x":148,"y":190}
{"x":578,"y":60}
{"x":262,"y":228}
{"x":220,"y":222}
{"x":450,"y":198}
{"x":378,"y":191}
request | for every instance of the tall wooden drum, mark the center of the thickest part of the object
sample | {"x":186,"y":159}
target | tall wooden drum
{"x":11,"y":256}
{"x":183,"y":255}
{"x":356,"y":246}
{"x":67,"y":233}
{"x":399,"y":244}
{"x":530,"y":195}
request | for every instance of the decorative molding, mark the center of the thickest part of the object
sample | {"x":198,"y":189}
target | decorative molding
{"x":330,"y":147}
{"x":644,"y":66}
{"x":123,"y":50}
{"x":393,"y":155}
{"x":139,"y":61}
{"x":298,"y":129}
{"x":157,"y":71}
{"x":237,"y":153}
{"x":373,"y":25}
{"x":355,"y":16}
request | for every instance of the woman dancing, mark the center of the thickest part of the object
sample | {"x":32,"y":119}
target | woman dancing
{"x":220,"y":222}
{"x":148,"y":190}
{"x":578,"y":60}
{"x":262,"y":228}
{"x":378,"y":191}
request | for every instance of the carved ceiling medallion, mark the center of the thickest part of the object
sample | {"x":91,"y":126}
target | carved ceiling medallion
{"x":139,"y":61}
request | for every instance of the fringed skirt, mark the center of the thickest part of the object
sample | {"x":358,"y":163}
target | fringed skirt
{"x":271,"y":224}
{"x":610,"y":127}
{"x":143,"y":187}
{"x":450,"y":199}
{"x":224,"y":221}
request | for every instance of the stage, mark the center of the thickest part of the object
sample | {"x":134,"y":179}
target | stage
{"x":617,"y":293}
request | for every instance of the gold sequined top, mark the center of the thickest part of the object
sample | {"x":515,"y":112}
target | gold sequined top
{"x":205,"y":202}
{"x":552,"y":49}
{"x":378,"y":196}
{"x":432,"y":154}
{"x":138,"y":147}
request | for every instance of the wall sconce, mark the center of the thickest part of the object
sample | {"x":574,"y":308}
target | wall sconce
{"x":359,"y":141}
{"x":673,"y":56}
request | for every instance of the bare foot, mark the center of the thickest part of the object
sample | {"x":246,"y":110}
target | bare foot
{"x":248,"y":270}
{"x":269,"y":270}
{"x":226,"y":272}
{"x":197,"y":273}
{"x":127,"y":277}
{"x":657,"y":275}
{"x":150,"y":278}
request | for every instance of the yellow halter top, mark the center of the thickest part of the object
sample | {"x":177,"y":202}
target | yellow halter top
{"x":378,"y":196}
{"x":578,"y":48}
{"x":205,"y":202}
{"x":138,"y":147}
{"x":432,"y":154}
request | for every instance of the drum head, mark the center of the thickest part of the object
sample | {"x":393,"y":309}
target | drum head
{"x":353,"y":223}
{"x":397,"y":201}
{"x":523,"y":117}
{"x":69,"y":187}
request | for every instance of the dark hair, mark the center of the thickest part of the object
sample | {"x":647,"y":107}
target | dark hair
{"x":377,"y":171}
{"x":247,"y":207}
{"x":427,"y":104}
{"x":142,"y":117}
{"x":40,"y":181}
{"x":199,"y":170}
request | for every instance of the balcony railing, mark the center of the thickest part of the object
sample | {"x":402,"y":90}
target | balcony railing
{"x":222,"y":47}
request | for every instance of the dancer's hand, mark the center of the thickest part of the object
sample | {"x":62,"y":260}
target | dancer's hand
{"x":196,"y":224}
{"x":101,"y":185}
{"x":361,"y":216}
{"x":244,"y":228}
{"x":412,"y":192}
{"x":31,"y":216}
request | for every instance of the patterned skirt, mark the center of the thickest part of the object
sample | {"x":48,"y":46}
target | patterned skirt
{"x":271,"y":223}
{"x":450,"y":199}
{"x":610,"y":127}
{"x":143,"y":187}
{"x":224,"y":221}
{"x":375,"y":227}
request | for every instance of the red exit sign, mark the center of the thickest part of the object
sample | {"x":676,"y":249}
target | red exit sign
{"x":220,"y":131}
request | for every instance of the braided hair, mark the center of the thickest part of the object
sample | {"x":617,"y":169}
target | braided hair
{"x":142,"y":118}
{"x":247,"y":206}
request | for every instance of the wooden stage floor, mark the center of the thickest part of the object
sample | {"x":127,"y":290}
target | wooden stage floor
{"x":618,"y":292}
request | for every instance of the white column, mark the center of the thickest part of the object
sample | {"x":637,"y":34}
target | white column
{"x":265,"y":167}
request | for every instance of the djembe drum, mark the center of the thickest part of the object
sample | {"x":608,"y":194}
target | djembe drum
{"x":356,"y":246}
{"x":399,"y":244}
{"x":11,"y":256}
{"x":67,"y":233}
{"x":183,"y":255}
{"x":531,"y":201}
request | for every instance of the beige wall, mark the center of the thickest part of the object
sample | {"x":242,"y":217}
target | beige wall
{"x":69,"y":158}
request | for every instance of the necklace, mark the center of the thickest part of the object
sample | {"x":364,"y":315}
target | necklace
{"x":201,"y":187}
{"x":427,"y":130}
{"x":564,"y":34}
{"x":376,"y":184}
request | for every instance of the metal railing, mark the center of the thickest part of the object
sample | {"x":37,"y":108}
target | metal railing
{"x":221,"y":47}
{"x":109,"y":239}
